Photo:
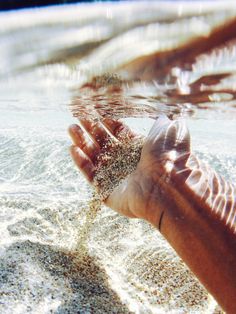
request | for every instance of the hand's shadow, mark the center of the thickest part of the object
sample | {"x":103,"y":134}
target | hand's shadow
{"x":35,"y":276}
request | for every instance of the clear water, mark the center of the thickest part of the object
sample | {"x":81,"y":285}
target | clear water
{"x":47,"y":57}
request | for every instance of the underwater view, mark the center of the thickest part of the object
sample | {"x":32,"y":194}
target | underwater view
{"x":128,"y":61}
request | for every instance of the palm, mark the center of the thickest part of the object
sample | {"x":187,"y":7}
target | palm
{"x":140,"y":190}
{"x":130,"y":197}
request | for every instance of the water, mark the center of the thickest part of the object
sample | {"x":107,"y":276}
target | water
{"x":48,"y":61}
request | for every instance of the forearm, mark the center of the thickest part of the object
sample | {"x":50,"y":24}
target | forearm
{"x":204,"y":243}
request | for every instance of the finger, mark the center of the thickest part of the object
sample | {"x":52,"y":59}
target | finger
{"x":97,"y":131}
{"x":81,"y":139}
{"x":118,"y":129}
{"x":83,"y":162}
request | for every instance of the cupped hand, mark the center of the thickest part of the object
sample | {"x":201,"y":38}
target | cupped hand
{"x":139,"y":195}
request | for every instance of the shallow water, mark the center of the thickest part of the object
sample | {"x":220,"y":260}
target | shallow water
{"x":48,"y":61}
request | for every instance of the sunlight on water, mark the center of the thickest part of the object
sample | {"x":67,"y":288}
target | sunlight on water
{"x":133,"y":61}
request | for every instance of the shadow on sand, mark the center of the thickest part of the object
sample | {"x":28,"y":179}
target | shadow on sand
{"x":31,"y":273}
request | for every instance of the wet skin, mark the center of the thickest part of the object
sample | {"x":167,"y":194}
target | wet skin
{"x":192,"y":206}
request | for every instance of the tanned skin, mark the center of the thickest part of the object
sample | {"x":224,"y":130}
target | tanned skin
{"x":192,"y":206}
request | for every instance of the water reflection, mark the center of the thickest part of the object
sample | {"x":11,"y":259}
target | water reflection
{"x":144,"y":99}
{"x":172,"y":82}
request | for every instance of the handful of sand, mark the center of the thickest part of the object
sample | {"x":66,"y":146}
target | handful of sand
{"x":118,"y":161}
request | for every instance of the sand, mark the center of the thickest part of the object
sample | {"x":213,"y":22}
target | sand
{"x":119,"y":160}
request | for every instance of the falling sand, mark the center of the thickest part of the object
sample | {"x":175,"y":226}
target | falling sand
{"x":113,"y":166}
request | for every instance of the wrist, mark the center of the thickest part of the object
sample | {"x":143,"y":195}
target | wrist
{"x":149,"y":202}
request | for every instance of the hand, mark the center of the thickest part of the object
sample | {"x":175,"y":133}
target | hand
{"x":139,"y":195}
